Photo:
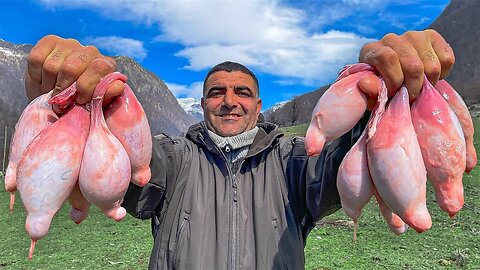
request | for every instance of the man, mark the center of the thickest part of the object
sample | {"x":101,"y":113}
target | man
{"x":234,"y":193}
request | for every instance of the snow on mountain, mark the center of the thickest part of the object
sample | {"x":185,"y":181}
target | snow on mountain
{"x":192,"y":106}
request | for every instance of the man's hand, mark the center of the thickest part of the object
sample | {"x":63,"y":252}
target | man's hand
{"x":405,"y":59}
{"x":55,"y":62}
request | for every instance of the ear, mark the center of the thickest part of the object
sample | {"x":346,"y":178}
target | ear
{"x":259,"y":106}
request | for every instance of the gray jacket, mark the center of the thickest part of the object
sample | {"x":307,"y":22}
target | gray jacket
{"x":206,"y":216}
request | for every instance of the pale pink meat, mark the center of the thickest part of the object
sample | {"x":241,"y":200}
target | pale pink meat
{"x":396,"y":165}
{"x":338,"y":110}
{"x":80,"y":205}
{"x":354,"y":184}
{"x":127,"y":120}
{"x":443,"y":147}
{"x":37,"y":116}
{"x":460,"y":108}
{"x":395,"y":223}
{"x":49,"y":169}
{"x":105,"y":171}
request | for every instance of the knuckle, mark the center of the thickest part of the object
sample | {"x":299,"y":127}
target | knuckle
{"x":51,"y":67}
{"x":72,"y":43}
{"x":91,"y":50}
{"x":101,"y":66}
{"x":448,"y":60}
{"x":411,"y":35}
{"x":432,"y":32}
{"x":388,"y":56}
{"x":35,"y":58}
{"x":367,"y":50}
{"x":112,"y":61}
{"x":390,"y":38}
{"x":70,"y":70}
{"x":433,"y":71}
{"x":413,"y":69}
{"x":50,"y":38}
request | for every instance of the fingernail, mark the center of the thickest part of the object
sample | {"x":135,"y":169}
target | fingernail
{"x":56,"y":90}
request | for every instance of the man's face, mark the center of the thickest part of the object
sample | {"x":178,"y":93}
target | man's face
{"x":230,"y":103}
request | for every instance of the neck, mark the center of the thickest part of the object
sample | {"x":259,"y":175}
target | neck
{"x":240,"y":140}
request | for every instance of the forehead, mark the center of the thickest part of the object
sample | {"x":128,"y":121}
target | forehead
{"x":230,"y":79}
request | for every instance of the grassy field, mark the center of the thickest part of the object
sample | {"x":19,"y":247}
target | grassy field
{"x":100,"y":243}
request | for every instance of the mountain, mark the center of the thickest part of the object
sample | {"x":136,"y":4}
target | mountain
{"x":459,"y":26}
{"x":296,"y":111}
{"x":192,"y":106}
{"x":162,"y":109}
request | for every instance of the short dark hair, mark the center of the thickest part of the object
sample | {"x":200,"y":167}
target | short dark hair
{"x":229,"y":66}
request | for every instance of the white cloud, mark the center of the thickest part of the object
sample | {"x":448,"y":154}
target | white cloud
{"x":266,"y":35}
{"x":194,"y":90}
{"x":119,"y":46}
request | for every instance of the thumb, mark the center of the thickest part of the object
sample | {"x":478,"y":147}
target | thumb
{"x":114,"y":89}
{"x":370,"y":85}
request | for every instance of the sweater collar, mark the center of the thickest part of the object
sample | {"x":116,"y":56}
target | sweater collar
{"x":265,"y":136}
{"x":235,"y":142}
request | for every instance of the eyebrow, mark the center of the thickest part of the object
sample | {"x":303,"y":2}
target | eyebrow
{"x":216,"y":87}
{"x":243,"y":87}
{"x":236,"y":88}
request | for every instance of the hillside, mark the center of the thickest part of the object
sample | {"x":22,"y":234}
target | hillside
{"x":163,"y":111}
{"x":459,"y":26}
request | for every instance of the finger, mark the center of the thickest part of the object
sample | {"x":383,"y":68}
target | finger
{"x":370,"y":85}
{"x":51,"y":67}
{"x":116,"y":88}
{"x":443,"y":51}
{"x":75,"y":65}
{"x":56,"y":90}
{"x":431,"y":64}
{"x":32,"y":88}
{"x":410,"y":63}
{"x":387,"y":63}
{"x":37,"y":57}
{"x":87,"y":82}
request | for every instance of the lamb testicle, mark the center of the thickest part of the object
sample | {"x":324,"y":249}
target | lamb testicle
{"x":37,"y":116}
{"x":105,"y":171}
{"x":443,"y":147}
{"x":353,"y":181}
{"x":49,"y":169}
{"x":127,"y":120}
{"x":343,"y":100}
{"x":391,"y":150}
{"x":77,"y":157}
{"x":461,"y":111}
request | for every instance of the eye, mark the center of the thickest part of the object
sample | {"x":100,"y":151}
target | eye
{"x":244,"y":92}
{"x":214,"y":93}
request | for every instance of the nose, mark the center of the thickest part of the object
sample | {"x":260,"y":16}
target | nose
{"x":230,"y":99}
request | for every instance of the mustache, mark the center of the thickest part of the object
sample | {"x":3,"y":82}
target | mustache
{"x":225,"y":111}
{"x":229,"y":113}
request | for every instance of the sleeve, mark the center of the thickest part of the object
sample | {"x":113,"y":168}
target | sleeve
{"x":145,"y":202}
{"x":312,"y":181}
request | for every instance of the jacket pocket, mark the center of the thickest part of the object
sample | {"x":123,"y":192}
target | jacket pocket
{"x":278,"y":237}
{"x":183,"y":234}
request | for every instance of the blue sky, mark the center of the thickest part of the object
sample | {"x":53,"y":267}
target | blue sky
{"x":293,"y":46}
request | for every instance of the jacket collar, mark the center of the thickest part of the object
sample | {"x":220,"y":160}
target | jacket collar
{"x":267,"y":134}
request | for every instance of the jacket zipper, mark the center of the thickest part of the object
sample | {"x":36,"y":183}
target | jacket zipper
{"x":232,"y":243}
{"x":234,"y":223}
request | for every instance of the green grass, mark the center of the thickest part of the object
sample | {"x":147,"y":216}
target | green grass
{"x":97,"y":243}
{"x":449,"y":244}
{"x":299,"y":130}
{"x":100,"y":243}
